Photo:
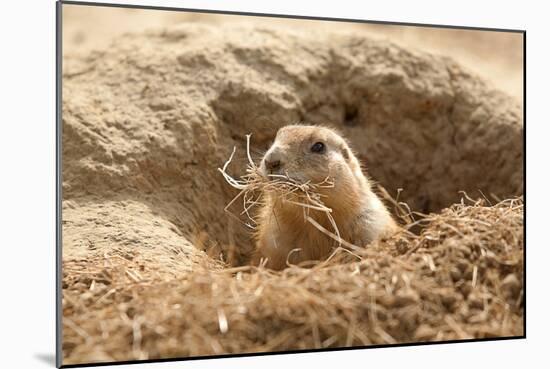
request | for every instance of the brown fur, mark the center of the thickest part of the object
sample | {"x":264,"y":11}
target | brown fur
{"x":359,"y":214}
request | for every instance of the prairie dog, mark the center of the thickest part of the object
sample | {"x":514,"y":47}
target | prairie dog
{"x":313,"y":153}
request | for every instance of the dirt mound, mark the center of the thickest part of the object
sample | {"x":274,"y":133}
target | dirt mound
{"x":146,"y":124}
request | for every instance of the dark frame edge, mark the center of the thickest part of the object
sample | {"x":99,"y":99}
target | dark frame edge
{"x":525,"y":184}
{"x":58,"y":195}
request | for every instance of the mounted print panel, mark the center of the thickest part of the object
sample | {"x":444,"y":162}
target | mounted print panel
{"x":237,"y":184}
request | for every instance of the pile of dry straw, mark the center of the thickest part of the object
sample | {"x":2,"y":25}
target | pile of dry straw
{"x":459,"y":276}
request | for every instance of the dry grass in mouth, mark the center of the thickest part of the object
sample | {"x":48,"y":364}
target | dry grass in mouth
{"x":253,"y":185}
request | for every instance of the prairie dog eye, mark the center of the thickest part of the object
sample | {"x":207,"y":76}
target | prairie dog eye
{"x":318,"y":147}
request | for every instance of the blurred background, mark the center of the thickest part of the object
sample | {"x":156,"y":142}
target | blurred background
{"x":495,"y":56}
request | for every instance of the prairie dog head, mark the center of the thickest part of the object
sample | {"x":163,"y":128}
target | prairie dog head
{"x":311,"y":153}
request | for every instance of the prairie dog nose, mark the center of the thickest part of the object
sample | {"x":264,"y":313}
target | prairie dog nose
{"x":273,"y":165}
{"x":273,"y":161}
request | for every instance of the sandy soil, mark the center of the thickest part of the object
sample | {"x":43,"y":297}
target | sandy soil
{"x":149,"y":116}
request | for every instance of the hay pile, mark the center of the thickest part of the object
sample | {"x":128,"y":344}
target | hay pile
{"x":460,"y":278}
{"x":152,"y":265}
